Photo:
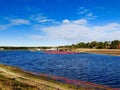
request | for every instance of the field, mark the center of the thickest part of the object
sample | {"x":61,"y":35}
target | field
{"x":101,"y":51}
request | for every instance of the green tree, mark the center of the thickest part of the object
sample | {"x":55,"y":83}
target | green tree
{"x":107,"y":44}
{"x":100,"y":45}
{"x":81,"y":45}
{"x":93,"y":44}
{"x":115,"y":44}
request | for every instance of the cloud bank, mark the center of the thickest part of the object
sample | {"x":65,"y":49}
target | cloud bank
{"x":74,"y":31}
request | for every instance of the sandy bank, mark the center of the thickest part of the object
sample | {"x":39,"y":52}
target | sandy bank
{"x":12,"y":78}
{"x":101,"y":51}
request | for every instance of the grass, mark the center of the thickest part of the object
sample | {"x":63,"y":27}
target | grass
{"x":12,"y":84}
{"x":12,"y":78}
{"x":115,"y":52}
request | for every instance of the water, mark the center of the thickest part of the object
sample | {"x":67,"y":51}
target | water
{"x":96,"y":68}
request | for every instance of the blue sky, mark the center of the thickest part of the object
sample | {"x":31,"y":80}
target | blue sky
{"x":58,"y":22}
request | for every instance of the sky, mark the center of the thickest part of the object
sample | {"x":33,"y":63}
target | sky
{"x":58,"y":22}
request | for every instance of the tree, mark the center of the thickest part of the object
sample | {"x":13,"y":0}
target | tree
{"x":93,"y":44}
{"x":115,"y":44}
{"x":100,"y":45}
{"x":107,"y":44}
{"x":81,"y":45}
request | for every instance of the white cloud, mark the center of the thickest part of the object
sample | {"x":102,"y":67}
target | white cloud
{"x":14,"y":22}
{"x":66,"y":21}
{"x":86,"y":13}
{"x":41,"y":18}
{"x":83,"y":11}
{"x":19,"y":22}
{"x":90,"y":14}
{"x":80,"y":30}
{"x":81,"y":21}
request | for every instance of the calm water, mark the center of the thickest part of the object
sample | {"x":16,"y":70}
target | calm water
{"x":100,"y":69}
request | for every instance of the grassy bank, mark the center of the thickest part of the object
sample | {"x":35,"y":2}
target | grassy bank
{"x":100,"y":51}
{"x":12,"y":78}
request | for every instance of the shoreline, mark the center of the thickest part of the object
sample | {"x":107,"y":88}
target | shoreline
{"x":18,"y":78}
{"x":113,"y":52}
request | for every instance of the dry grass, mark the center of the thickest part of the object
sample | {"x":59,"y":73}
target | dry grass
{"x":12,"y":78}
{"x":101,"y":51}
{"x":15,"y":79}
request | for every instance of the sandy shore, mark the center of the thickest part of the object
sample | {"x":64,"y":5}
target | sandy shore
{"x":101,"y":51}
{"x":12,"y":78}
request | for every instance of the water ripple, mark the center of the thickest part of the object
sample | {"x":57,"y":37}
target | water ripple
{"x":100,"y":69}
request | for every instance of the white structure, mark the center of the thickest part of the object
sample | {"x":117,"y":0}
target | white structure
{"x":52,"y":49}
{"x":38,"y":49}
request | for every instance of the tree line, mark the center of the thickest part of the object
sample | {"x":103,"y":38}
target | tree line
{"x":115,"y":44}
{"x":21,"y":48}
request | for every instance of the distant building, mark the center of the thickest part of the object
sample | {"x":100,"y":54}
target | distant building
{"x":52,"y":49}
{"x":38,"y":49}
